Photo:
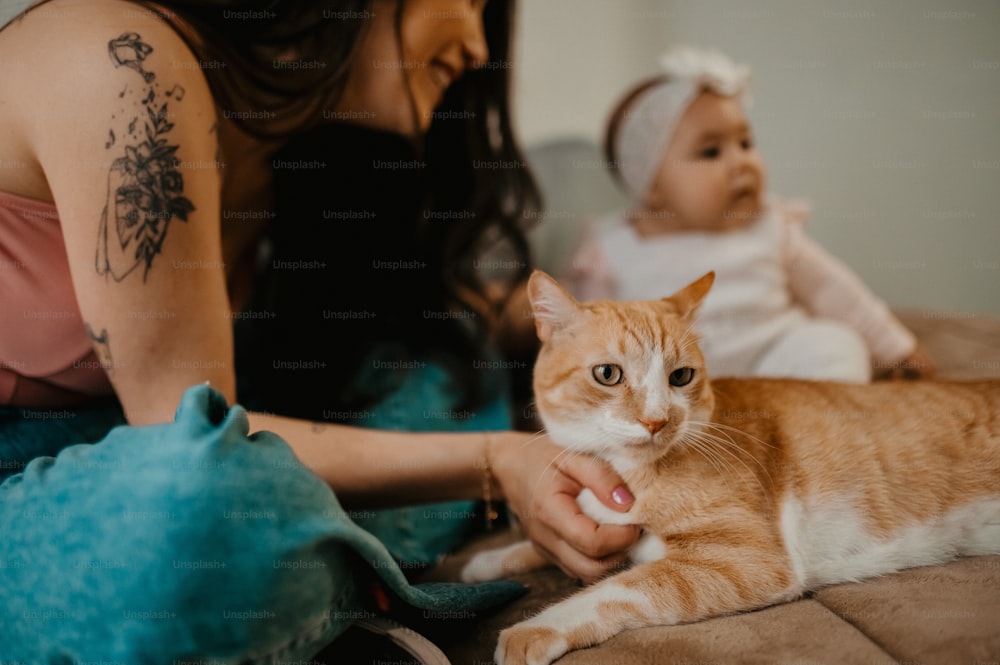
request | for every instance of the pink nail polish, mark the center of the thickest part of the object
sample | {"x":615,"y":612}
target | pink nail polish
{"x":622,"y":496}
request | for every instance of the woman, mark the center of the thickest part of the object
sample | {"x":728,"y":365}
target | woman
{"x":383,"y":259}
{"x":132,"y":129}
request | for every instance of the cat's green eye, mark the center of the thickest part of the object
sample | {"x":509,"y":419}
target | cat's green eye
{"x":608,"y":375}
{"x":681,"y":377}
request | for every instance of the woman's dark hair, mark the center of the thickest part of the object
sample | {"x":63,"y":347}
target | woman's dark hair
{"x":478,"y":166}
{"x":475,"y":164}
{"x":284,"y":59}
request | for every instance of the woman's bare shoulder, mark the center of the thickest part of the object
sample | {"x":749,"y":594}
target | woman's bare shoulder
{"x":50,"y":29}
{"x":69,"y":45}
{"x":71,"y":71}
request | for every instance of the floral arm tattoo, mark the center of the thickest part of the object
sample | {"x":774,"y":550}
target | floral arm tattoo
{"x":145,"y":185}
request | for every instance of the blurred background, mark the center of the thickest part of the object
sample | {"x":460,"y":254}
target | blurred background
{"x":885,"y":114}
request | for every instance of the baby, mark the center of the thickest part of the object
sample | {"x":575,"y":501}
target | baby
{"x":681,"y":146}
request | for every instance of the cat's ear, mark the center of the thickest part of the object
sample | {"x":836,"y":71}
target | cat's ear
{"x":689,"y":299}
{"x":552,"y":305}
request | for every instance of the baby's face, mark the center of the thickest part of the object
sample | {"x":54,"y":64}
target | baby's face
{"x":712,"y":178}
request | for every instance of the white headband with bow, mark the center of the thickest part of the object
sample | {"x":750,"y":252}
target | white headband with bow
{"x":648,"y":125}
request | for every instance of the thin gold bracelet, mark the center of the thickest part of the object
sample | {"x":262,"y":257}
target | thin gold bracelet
{"x":489,"y":511}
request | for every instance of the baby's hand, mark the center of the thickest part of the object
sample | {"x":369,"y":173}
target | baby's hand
{"x":917,"y":365}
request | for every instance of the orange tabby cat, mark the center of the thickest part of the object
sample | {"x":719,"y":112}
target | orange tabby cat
{"x":750,"y":492}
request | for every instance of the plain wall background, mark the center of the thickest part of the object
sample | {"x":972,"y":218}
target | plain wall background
{"x":885,"y":114}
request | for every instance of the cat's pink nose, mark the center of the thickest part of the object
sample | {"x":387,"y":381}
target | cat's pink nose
{"x":653,"y":426}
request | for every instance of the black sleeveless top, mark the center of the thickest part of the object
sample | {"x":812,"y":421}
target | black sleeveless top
{"x":354,"y":266}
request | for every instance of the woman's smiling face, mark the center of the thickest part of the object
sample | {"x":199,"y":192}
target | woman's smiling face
{"x":398,"y":91}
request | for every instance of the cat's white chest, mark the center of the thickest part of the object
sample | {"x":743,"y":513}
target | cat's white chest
{"x":648,"y":548}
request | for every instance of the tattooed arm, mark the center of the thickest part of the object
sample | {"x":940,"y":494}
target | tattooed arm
{"x":129,"y":155}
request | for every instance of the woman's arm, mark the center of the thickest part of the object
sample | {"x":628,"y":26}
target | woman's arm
{"x":128,"y":148}
{"x":539,"y":481}
{"x":381,"y":468}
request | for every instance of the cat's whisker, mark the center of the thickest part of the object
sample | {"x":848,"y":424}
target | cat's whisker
{"x":707,"y":442}
{"x":553,"y":465}
{"x":725,"y":445}
{"x":720,"y":465}
{"x":600,"y":455}
{"x":738,"y":430}
{"x":722,"y":429}
{"x":534,"y":437}
{"x":688,"y":340}
{"x":723,"y":438}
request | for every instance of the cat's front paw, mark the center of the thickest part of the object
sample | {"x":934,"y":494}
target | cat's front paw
{"x":529,"y":645}
{"x":484,"y":567}
{"x":502,"y":562}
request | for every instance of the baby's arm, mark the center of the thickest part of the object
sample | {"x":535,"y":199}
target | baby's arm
{"x":588,"y":276}
{"x":827,"y":287}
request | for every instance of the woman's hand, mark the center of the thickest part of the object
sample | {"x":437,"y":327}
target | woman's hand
{"x":540,"y":482}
